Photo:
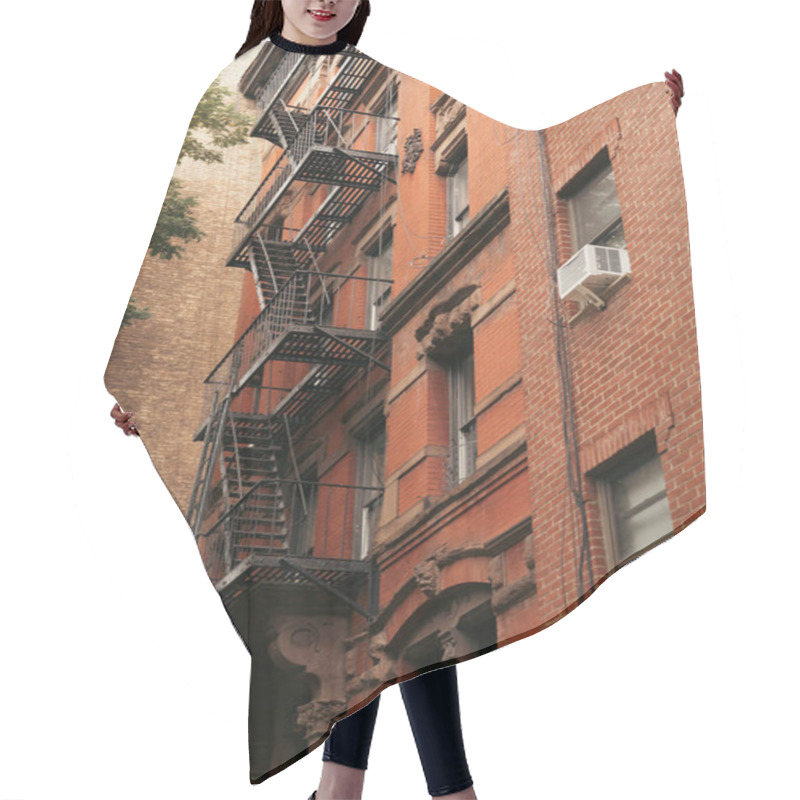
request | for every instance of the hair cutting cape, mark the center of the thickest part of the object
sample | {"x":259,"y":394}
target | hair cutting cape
{"x":418,"y":380}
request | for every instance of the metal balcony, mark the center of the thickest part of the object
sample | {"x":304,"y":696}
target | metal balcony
{"x":280,"y":122}
{"x":339,"y":147}
{"x":314,"y":317}
{"x":267,"y":537}
{"x":307,"y":399}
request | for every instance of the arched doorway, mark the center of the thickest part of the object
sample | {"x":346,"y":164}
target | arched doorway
{"x":455,"y":624}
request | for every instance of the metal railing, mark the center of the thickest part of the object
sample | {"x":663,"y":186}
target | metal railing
{"x":307,"y":298}
{"x":272,"y":519}
{"x":331,"y":127}
{"x":268,"y":93}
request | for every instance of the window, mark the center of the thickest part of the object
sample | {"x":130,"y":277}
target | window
{"x":594,"y":212}
{"x":463,"y":432}
{"x":372,"y":451}
{"x":634,"y":499}
{"x":457,"y":197}
{"x":301,"y":525}
{"x":386,"y":124}
{"x":379,"y":287}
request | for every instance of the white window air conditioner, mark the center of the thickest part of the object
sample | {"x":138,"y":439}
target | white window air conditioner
{"x":591,"y":273}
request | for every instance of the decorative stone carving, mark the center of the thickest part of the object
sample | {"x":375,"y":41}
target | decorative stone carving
{"x":426,"y":576}
{"x":449,"y":642}
{"x":310,"y":643}
{"x":377,"y":647}
{"x":413,"y":149}
{"x":313,"y":718}
{"x":447,"y":322}
{"x":381,"y":669}
{"x":451,"y":133}
{"x":447,"y":111}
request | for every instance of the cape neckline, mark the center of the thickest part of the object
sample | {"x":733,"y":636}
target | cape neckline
{"x":295,"y":47}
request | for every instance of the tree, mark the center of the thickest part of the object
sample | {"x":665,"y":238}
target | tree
{"x":222,"y":126}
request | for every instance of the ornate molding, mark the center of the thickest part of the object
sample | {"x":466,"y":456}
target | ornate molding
{"x":311,"y":644}
{"x":295,"y":642}
{"x":413,"y":150}
{"x":313,"y":718}
{"x":480,"y":230}
{"x":449,"y":642}
{"x":445,"y":323}
{"x":447,"y":113}
{"x":427,"y":576}
{"x":382,"y":667}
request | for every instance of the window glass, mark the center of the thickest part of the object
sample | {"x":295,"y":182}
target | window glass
{"x":640,"y":507}
{"x":595,"y":208}
{"x":373,"y":456}
{"x":463,"y":431}
{"x":457,"y":198}
{"x":379,"y":288}
{"x":386,"y":129}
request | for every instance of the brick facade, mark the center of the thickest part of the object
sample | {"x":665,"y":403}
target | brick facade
{"x":563,"y":397}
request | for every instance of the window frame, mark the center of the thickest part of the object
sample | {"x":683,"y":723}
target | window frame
{"x":378,"y":294}
{"x":463,"y":443}
{"x":386,"y":110}
{"x":631,"y":458}
{"x":457,"y":219}
{"x":369,"y":504}
{"x":592,"y":174}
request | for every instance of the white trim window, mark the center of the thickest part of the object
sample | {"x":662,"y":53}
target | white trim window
{"x":386,"y":123}
{"x":458,"y":196}
{"x":379,"y":287}
{"x":371,"y":456}
{"x":463,"y":430}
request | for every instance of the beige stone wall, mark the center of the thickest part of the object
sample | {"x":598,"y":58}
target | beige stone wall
{"x":158,"y":365}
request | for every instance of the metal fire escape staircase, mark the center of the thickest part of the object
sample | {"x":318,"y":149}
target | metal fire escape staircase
{"x":305,"y":135}
{"x":279,"y":119}
{"x":297,"y":322}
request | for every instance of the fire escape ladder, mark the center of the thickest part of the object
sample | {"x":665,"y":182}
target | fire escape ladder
{"x":294,"y":463}
{"x":257,"y":521}
{"x":284,"y":120}
{"x":236,"y":461}
{"x":202,"y":465}
{"x":277,"y":263}
{"x":214,"y":431}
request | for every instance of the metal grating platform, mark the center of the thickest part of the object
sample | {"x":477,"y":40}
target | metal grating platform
{"x":305,"y":343}
{"x":342,"y":577}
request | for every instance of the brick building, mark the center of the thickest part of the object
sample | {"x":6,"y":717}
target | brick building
{"x":462,"y":389}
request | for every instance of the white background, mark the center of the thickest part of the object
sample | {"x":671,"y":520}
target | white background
{"x":121,"y":676}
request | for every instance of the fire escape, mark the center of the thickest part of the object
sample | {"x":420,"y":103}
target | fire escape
{"x":249,"y":502}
